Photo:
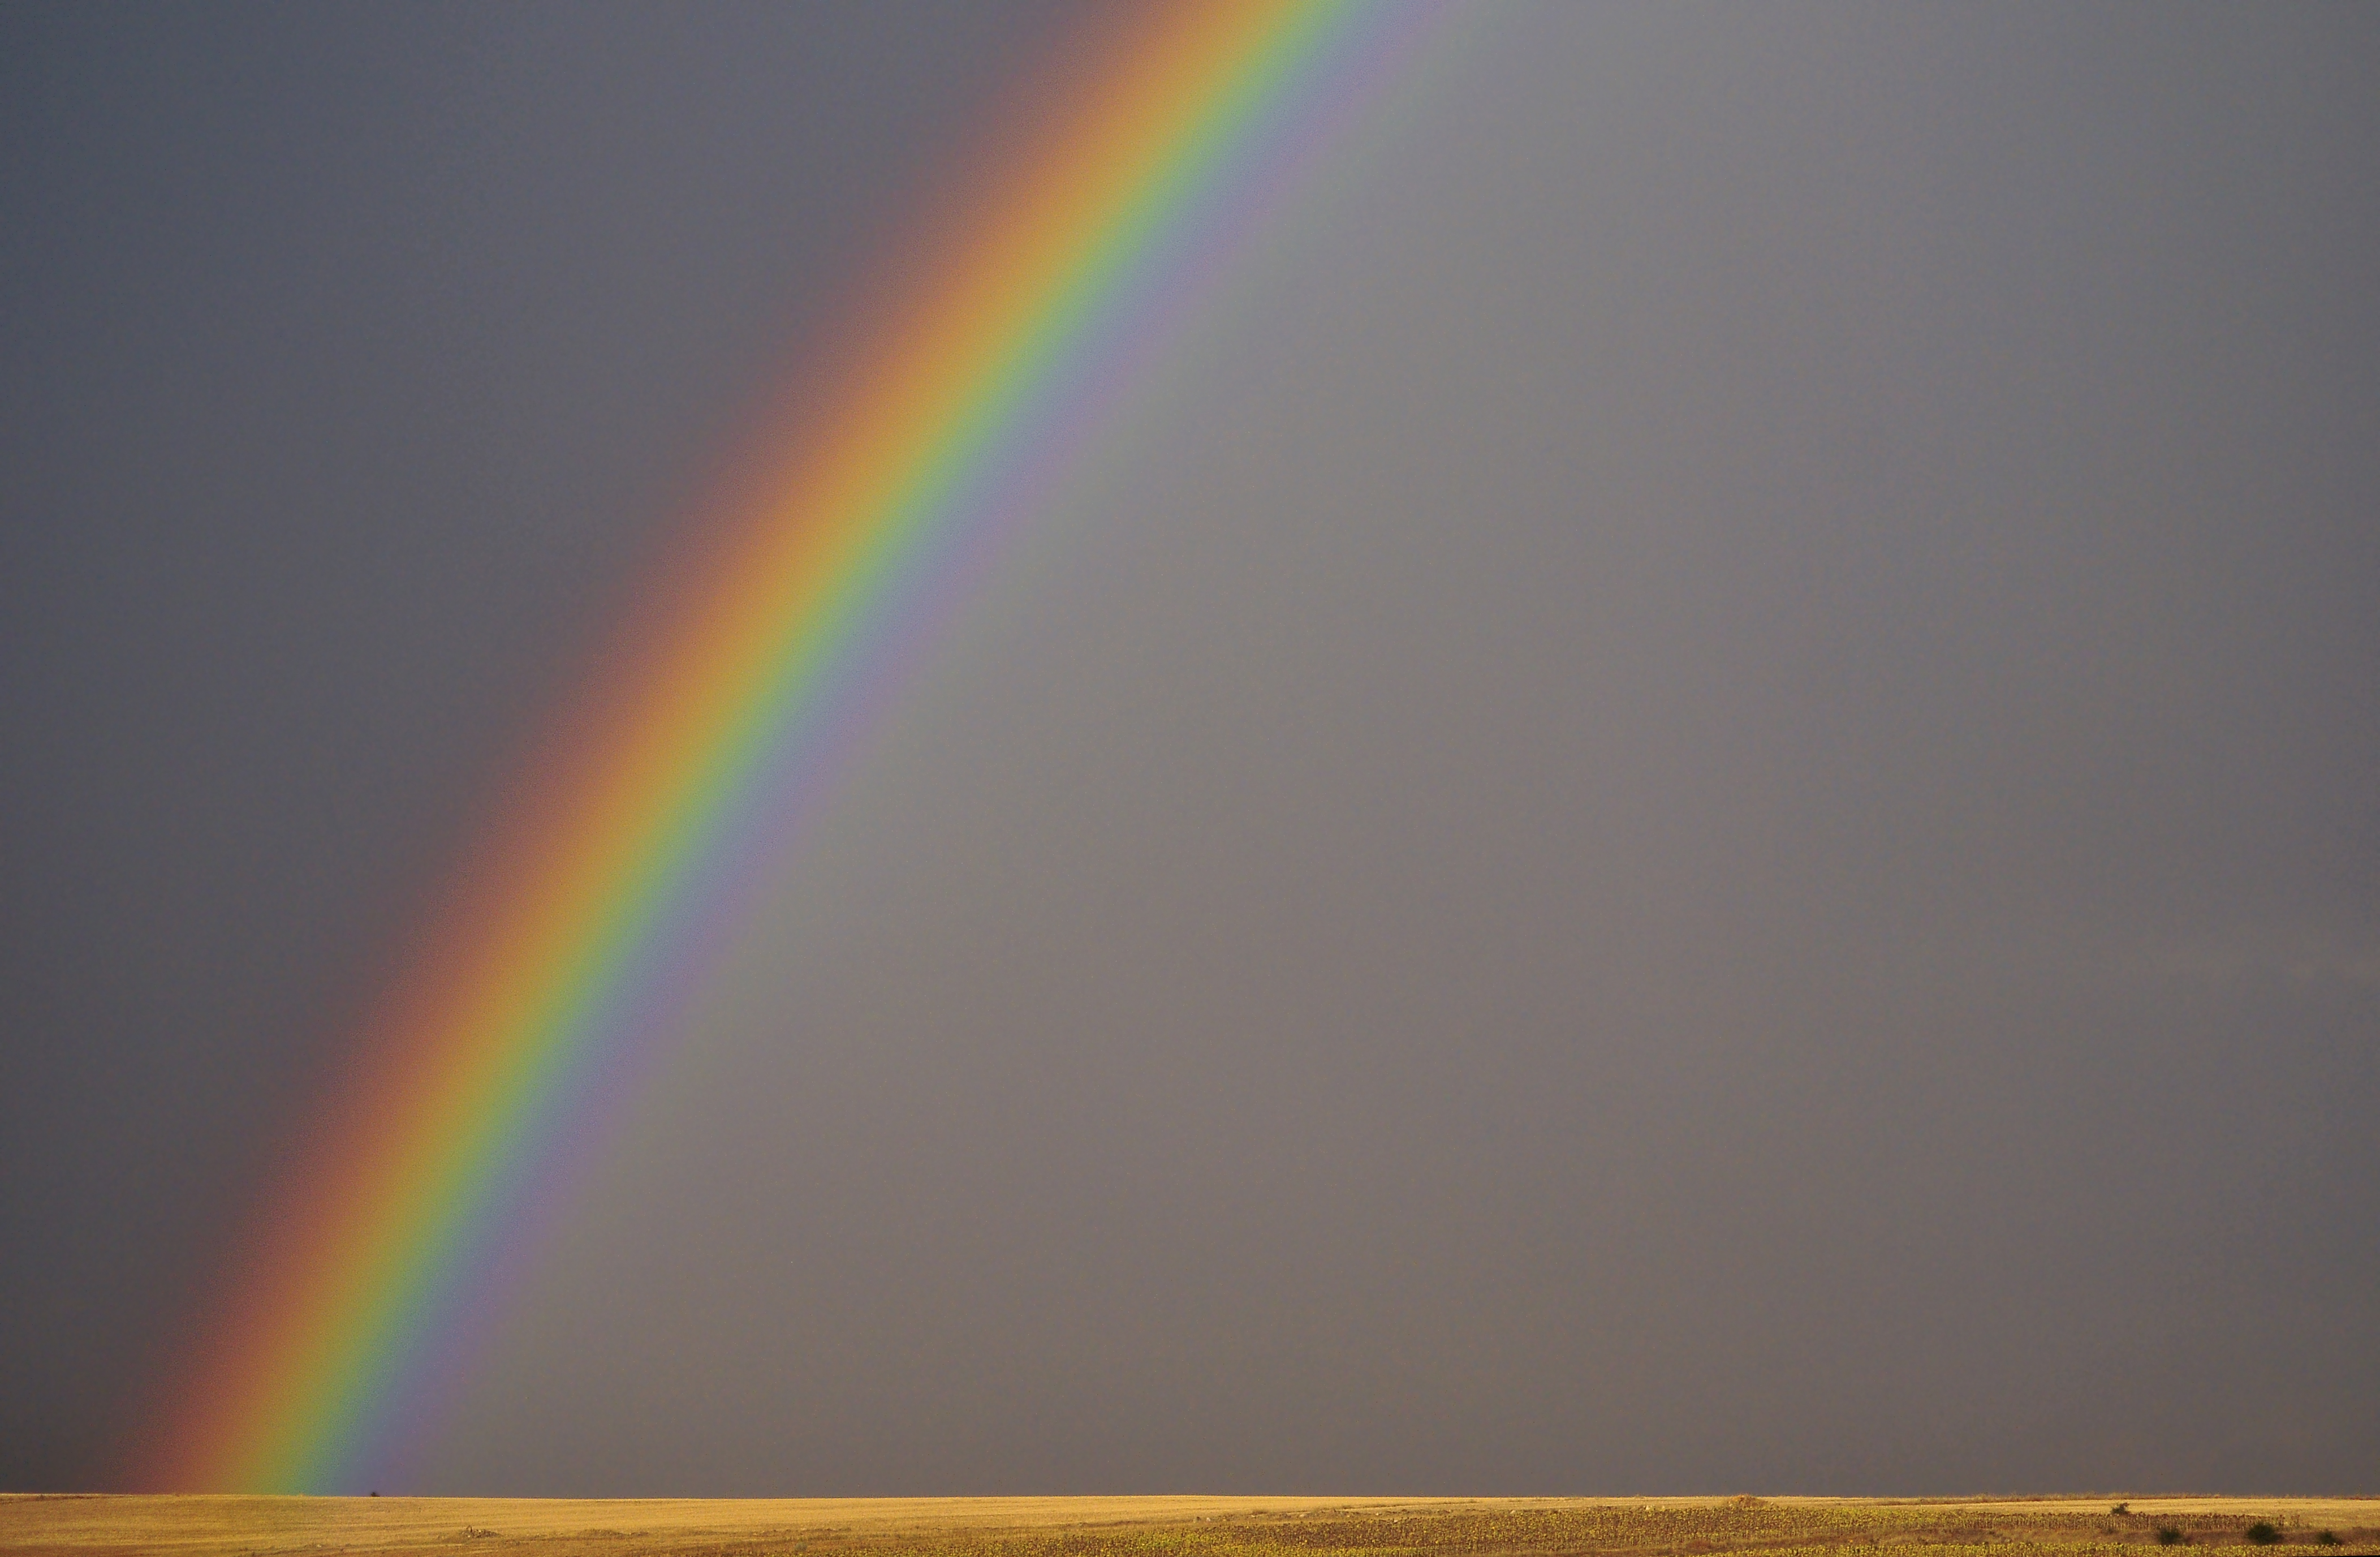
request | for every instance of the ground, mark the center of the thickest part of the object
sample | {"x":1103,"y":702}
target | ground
{"x":1170,"y":1527}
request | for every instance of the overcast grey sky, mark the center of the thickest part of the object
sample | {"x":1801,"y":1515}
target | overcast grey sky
{"x":1686,"y":802}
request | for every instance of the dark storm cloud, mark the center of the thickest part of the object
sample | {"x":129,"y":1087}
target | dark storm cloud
{"x":354,"y":359}
{"x":1686,"y":804}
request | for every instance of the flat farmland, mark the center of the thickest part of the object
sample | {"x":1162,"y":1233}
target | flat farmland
{"x":90,"y":1525}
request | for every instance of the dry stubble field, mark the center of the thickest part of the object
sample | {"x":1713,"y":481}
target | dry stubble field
{"x":1173,"y":1527}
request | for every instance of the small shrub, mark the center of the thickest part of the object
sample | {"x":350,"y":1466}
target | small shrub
{"x":2326,"y":1538}
{"x":2263,"y":1533}
{"x":2168,"y":1535}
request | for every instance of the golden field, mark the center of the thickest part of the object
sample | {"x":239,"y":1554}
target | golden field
{"x":1173,"y":1526}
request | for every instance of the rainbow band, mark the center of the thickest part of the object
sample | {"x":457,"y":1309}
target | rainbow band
{"x":570,"y":935}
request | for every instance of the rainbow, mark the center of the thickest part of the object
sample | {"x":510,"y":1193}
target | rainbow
{"x":605,"y":885}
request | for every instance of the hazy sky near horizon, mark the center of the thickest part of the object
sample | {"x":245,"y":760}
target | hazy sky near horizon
{"x":1688,"y":800}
